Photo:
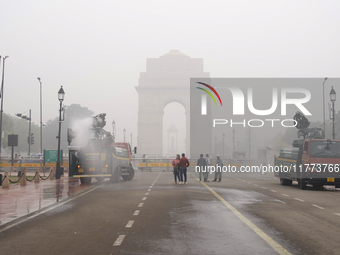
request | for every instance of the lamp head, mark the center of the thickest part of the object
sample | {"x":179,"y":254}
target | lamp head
{"x":332,"y":95}
{"x":61,"y":94}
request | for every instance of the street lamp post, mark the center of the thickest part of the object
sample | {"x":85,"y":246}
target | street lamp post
{"x":41,"y":125}
{"x":323,"y":105}
{"x":124,"y":131}
{"x":61,"y":95}
{"x":333,"y":98}
{"x":2,"y":99}
{"x":113,"y":130}
{"x":223,"y":145}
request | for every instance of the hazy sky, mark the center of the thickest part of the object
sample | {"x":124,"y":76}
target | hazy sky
{"x":97,"y":49}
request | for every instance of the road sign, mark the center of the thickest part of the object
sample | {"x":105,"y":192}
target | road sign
{"x":52,"y":155}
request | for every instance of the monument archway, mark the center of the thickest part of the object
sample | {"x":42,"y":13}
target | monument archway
{"x":166,"y":80}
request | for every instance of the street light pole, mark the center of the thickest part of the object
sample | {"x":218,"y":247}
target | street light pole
{"x":2,"y":99}
{"x":61,"y":95}
{"x":29,"y":133}
{"x":223,"y":145}
{"x":41,"y":125}
{"x":124,"y":131}
{"x":323,"y":105}
{"x":333,"y":98}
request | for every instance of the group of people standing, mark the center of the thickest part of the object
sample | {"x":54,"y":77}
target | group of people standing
{"x":204,"y":163}
{"x":180,"y":168}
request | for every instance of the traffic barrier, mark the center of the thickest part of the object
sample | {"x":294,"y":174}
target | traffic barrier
{"x":36,"y":176}
{"x":23,"y":178}
{"x":52,"y":173}
{"x":5,"y":181}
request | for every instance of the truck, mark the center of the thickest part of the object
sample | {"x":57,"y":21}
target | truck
{"x":312,"y":160}
{"x":101,"y":158}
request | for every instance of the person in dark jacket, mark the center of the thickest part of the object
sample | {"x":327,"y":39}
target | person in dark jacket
{"x":202,"y":163}
{"x":219,"y":166}
{"x":183,"y":164}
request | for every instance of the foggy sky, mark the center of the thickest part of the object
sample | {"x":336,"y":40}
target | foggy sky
{"x":97,"y":49}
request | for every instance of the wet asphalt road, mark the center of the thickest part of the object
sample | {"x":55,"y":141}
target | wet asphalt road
{"x":151,"y":215}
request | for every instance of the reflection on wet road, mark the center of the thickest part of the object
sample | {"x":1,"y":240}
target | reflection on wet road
{"x":20,"y":201}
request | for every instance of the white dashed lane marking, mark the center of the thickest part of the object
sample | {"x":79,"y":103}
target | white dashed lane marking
{"x":285,"y":195}
{"x":149,"y":189}
{"x":136,"y":212}
{"x":256,"y":185}
{"x":119,"y":240}
{"x":273,"y":190}
{"x":144,"y":198}
{"x":318,"y":206}
{"x":140,"y":204}
{"x":263,"y":187}
{"x":298,"y":199}
{"x":147,"y":193}
{"x":337,"y":214}
{"x":129,"y":224}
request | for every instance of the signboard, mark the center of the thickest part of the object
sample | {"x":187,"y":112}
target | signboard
{"x":12,"y":140}
{"x":50,"y":156}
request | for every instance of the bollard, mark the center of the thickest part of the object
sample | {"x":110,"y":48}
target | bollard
{"x":5,"y":183}
{"x":23,"y":178}
{"x":36,"y":178}
{"x":52,"y":173}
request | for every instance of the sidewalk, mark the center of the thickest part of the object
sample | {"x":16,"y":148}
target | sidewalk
{"x":18,"y":201}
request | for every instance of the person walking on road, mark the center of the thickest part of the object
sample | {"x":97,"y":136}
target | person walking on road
{"x":176,"y":168}
{"x":183,"y":164}
{"x":202,"y":163}
{"x":207,"y":160}
{"x":219,"y":166}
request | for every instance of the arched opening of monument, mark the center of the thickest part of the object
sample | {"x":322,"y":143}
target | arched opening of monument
{"x":174,"y":129}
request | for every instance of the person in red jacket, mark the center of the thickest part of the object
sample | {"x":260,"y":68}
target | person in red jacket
{"x":183,"y":164}
{"x":176,"y":168}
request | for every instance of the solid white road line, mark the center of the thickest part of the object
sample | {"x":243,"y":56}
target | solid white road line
{"x":129,"y":224}
{"x":144,"y":198}
{"x":318,"y":206}
{"x":119,"y":240}
{"x":298,"y":199}
{"x":140,"y":204}
{"x":136,"y":212}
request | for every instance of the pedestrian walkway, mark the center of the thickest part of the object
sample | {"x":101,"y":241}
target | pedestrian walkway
{"x":18,"y":201}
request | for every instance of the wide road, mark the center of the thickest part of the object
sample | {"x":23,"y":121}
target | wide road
{"x":150,"y":215}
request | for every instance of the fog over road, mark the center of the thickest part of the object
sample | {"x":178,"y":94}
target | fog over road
{"x":151,"y":215}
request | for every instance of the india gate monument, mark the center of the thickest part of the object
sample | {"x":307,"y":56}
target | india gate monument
{"x":166,"y":80}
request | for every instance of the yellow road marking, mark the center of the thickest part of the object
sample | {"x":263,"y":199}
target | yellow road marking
{"x":277,"y":247}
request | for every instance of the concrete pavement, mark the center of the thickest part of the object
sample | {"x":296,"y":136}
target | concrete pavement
{"x":151,"y":215}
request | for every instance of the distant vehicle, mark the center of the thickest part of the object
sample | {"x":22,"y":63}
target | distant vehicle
{"x":33,"y":158}
{"x":101,"y":158}
{"x":313,"y":160}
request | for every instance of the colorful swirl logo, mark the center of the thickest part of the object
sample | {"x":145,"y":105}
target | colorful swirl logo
{"x":212,"y":89}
